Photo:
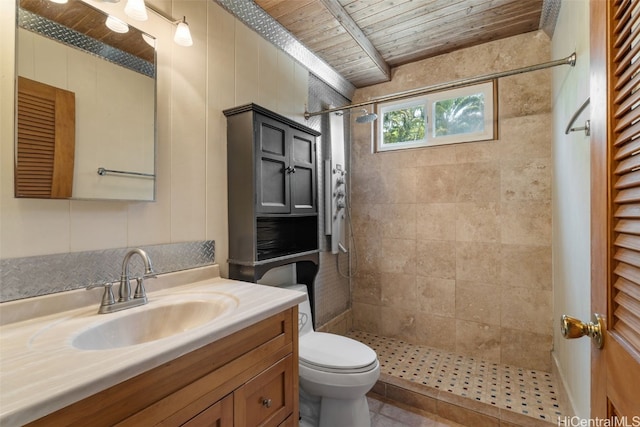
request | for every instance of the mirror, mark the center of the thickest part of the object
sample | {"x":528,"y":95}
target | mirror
{"x":100,"y":143}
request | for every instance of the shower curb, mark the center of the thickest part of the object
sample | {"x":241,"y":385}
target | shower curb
{"x":463,"y":410}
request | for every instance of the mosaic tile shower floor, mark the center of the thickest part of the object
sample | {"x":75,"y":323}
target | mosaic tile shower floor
{"x":528,"y":392}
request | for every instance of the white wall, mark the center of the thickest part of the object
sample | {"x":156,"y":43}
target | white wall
{"x":228,"y":65}
{"x":571,"y":201}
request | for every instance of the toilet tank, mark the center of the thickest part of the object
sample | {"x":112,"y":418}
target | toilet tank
{"x":305,"y":321}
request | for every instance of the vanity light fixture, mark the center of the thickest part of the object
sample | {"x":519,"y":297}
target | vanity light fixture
{"x":116,"y":25}
{"x":183,"y":35}
{"x":136,"y":9}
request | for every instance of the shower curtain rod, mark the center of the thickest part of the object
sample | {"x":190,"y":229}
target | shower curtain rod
{"x":569,"y":60}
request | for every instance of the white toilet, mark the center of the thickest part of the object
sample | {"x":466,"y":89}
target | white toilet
{"x":335,"y":374}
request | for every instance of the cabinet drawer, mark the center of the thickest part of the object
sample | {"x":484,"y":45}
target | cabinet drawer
{"x":267,"y":399}
{"x":219,"y":414}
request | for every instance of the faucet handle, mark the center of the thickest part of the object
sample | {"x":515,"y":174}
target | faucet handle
{"x":140,"y":291}
{"x":107,"y":297}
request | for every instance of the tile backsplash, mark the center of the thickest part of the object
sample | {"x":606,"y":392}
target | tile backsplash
{"x":40,"y":275}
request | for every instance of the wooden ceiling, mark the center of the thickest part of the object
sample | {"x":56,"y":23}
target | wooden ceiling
{"x":364,"y":39}
{"x":85,"y":19}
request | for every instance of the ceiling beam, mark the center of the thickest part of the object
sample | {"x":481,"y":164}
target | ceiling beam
{"x":334,"y":7}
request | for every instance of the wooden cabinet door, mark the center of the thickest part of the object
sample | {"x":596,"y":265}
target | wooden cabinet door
{"x":267,"y":399}
{"x":303,"y":172}
{"x":220,"y":414}
{"x":272,"y":163}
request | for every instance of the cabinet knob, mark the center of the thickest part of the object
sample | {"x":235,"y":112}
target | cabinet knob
{"x":290,"y":169}
{"x":266,"y":403}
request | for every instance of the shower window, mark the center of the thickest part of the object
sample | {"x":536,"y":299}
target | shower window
{"x":448,"y":117}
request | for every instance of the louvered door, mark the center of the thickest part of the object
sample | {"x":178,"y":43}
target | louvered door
{"x":615,"y":114}
{"x":45,"y":146}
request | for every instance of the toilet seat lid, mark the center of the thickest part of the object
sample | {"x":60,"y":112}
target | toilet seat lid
{"x":335,"y":352}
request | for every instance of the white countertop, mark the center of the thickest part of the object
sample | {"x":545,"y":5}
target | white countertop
{"x":41,"y":372}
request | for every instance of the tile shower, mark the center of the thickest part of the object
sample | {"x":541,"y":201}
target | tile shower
{"x":454,"y":242}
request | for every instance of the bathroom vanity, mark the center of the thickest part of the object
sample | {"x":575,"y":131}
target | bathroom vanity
{"x":238,"y":369}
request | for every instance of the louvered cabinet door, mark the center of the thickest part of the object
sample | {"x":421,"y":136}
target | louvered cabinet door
{"x":615,"y":117}
{"x":45,"y":147}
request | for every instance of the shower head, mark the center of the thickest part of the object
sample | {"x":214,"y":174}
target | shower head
{"x":366,"y":117}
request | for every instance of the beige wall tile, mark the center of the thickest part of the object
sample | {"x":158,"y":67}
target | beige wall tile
{"x":478,"y":262}
{"x":436,"y":259}
{"x":525,"y":94}
{"x":436,"y":184}
{"x":366,"y":317}
{"x":440,"y":155}
{"x":398,"y":256}
{"x":436,"y":331}
{"x":478,"y":339}
{"x":436,"y":296}
{"x":523,"y":348}
{"x":398,"y":221}
{"x":526,"y":223}
{"x":476,"y":302}
{"x":528,"y":179}
{"x":477,"y":152}
{"x":435,"y":221}
{"x":527,"y":137}
{"x":398,"y":291}
{"x":399,"y":186}
{"x":398,"y":323}
{"x":366,"y":287}
{"x":366,"y":186}
{"x":478,"y":182}
{"x":525,"y":266}
{"x":526,"y":310}
{"x":478,"y":222}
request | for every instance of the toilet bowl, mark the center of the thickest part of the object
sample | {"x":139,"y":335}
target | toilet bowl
{"x":335,"y":374}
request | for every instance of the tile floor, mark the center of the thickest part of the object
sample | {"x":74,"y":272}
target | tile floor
{"x":385,"y":414}
{"x":528,"y":392}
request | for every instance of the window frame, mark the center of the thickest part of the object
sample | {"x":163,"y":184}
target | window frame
{"x":489,"y":89}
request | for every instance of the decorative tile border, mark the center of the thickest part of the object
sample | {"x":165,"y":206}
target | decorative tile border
{"x":46,"y":274}
{"x":53,"y":30}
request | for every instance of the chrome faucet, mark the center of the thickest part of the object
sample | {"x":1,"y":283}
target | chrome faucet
{"x":109,"y":304}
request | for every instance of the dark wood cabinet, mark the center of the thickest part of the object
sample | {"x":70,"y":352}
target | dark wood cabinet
{"x":272,"y":185}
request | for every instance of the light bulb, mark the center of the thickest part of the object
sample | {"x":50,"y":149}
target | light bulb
{"x":183,"y":35}
{"x":59,"y":1}
{"x":116,"y":25}
{"x":136,"y":9}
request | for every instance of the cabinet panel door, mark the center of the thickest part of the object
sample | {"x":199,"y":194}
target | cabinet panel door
{"x":272,"y":183}
{"x":220,"y":414}
{"x":267,"y":399}
{"x":303,"y":179}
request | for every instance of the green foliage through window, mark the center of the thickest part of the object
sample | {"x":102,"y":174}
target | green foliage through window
{"x":459,"y":115}
{"x":463,"y":114}
{"x":403,"y":125}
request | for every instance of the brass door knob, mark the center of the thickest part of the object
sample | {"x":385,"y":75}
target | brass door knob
{"x":574,"y":328}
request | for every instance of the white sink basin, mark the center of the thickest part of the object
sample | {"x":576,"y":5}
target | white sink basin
{"x":152,"y":322}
